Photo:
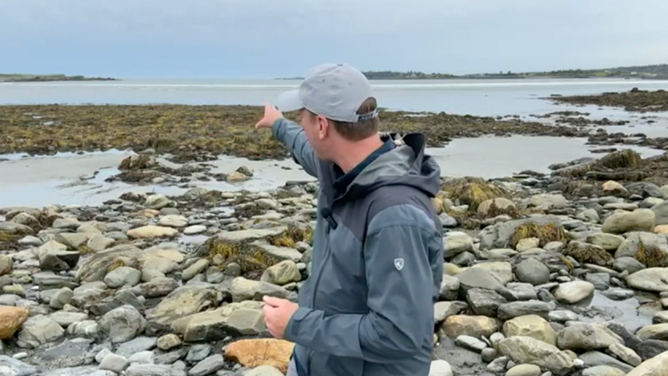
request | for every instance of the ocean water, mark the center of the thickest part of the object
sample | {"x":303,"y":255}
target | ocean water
{"x":475,"y":97}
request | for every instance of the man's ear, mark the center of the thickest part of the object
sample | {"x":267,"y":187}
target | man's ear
{"x":323,"y":127}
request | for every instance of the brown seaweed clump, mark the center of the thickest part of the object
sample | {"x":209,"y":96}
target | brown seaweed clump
{"x":8,"y":240}
{"x":588,"y":253}
{"x":652,"y":257}
{"x":297,"y":232}
{"x":621,"y":166}
{"x":206,"y":199}
{"x":251,"y":257}
{"x":624,"y":160}
{"x":137,"y":162}
{"x":115,"y":265}
{"x":634,"y":100}
{"x":498,"y":206}
{"x":484,"y":200}
{"x":473,"y":191}
{"x":135,"y":176}
{"x":546,"y":233}
{"x":42,"y":218}
{"x":247,"y":210}
{"x":300,"y":232}
{"x":252,"y":251}
{"x":202,"y":132}
{"x":11,"y":233}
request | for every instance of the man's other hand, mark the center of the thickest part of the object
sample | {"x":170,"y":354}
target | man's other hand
{"x":271,"y":114}
{"x":277,"y":314}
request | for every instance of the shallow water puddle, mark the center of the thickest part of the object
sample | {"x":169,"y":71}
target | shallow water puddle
{"x":193,"y":239}
{"x":627,"y":312}
{"x":494,"y":157}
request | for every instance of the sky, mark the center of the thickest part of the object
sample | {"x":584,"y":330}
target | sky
{"x":284,"y":38}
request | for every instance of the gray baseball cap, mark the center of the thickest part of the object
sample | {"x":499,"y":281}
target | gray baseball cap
{"x":335,"y":91}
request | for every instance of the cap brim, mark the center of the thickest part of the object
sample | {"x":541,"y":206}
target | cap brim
{"x":289,"y":101}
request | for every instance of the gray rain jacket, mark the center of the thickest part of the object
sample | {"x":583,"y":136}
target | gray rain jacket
{"x":377,"y":265}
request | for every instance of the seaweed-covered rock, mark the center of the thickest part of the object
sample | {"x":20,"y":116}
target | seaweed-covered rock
{"x":253,"y":249}
{"x":473,"y":191}
{"x":632,"y":100}
{"x":546,"y":228}
{"x":588,"y":253}
{"x":137,"y":162}
{"x":98,"y":265}
{"x":498,"y":206}
{"x":614,"y":166}
{"x":650,"y":249}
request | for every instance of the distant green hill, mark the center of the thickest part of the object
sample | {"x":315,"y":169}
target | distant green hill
{"x":655,"y":72}
{"x":14,"y":77}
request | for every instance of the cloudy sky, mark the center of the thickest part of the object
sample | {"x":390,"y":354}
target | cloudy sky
{"x":279,"y":38}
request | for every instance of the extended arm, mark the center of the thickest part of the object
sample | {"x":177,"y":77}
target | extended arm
{"x":401,"y":287}
{"x":292,"y":136}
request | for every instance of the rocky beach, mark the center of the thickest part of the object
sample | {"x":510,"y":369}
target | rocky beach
{"x":561,"y":272}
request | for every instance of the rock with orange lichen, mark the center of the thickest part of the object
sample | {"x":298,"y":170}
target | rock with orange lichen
{"x":253,"y":353}
{"x":11,"y":319}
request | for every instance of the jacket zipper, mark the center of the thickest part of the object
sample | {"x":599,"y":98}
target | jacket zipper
{"x":325,"y":258}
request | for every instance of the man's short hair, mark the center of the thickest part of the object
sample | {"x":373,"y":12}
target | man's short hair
{"x":360,"y":130}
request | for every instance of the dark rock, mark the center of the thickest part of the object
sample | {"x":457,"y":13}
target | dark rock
{"x":484,"y":302}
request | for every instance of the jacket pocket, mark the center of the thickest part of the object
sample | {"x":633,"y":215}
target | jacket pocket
{"x":328,"y":365}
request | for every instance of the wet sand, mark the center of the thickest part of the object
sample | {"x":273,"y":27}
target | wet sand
{"x":80,"y":179}
{"x":70,"y":179}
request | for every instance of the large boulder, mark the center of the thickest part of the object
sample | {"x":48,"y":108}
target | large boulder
{"x":528,"y":350}
{"x":655,"y":366}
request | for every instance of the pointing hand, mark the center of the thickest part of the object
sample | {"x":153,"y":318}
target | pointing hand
{"x":271,"y":114}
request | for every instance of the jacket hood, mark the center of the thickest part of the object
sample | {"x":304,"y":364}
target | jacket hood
{"x":406,"y":165}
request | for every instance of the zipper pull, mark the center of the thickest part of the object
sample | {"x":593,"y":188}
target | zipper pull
{"x":327,"y":214}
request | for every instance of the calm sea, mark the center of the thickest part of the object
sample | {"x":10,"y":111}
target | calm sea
{"x":476,"y":97}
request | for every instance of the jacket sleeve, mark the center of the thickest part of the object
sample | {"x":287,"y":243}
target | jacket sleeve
{"x":401,"y":256}
{"x":292,"y":136}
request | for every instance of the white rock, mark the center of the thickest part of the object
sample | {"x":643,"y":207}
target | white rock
{"x":573,"y":292}
{"x":196,"y":229}
{"x":440,"y":368}
{"x":113,"y":362}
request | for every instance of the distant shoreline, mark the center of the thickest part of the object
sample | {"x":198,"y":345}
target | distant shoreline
{"x":490,"y":77}
{"x":653,"y":72}
{"x":49,"y":78}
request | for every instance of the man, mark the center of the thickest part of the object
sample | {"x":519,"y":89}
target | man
{"x":377,"y":262}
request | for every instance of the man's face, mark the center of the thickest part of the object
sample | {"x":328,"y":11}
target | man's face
{"x":316,"y":130}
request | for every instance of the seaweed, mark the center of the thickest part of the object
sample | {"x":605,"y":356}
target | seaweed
{"x":634,"y":100}
{"x":651,"y":257}
{"x":115,"y":265}
{"x":473,"y":191}
{"x":588,"y":253}
{"x":202,"y":132}
{"x":544,"y":232}
{"x":250,"y":257}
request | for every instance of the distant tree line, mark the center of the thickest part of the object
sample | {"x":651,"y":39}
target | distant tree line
{"x":657,"y":71}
